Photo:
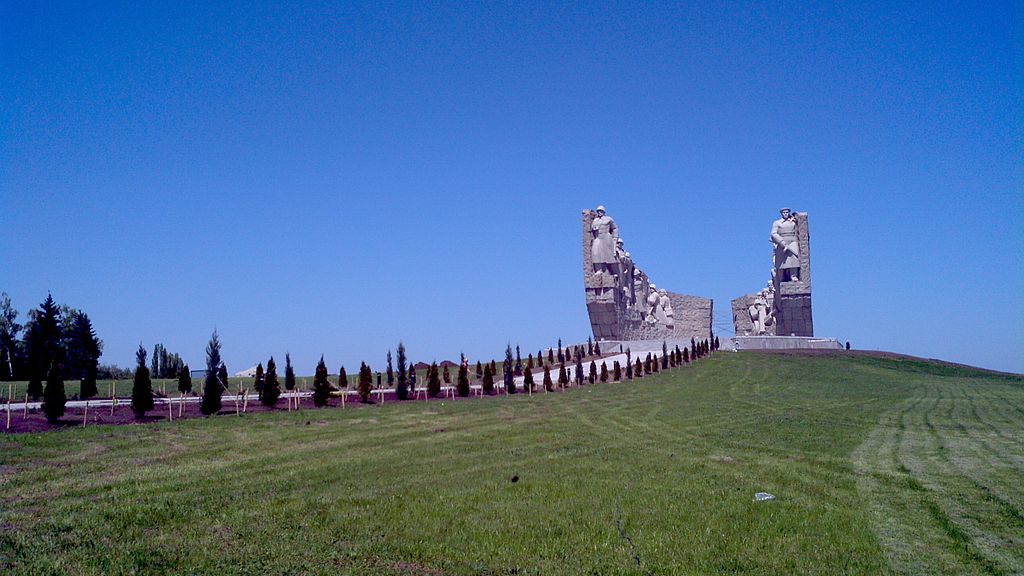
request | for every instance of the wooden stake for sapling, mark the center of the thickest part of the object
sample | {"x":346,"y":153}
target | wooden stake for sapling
{"x":245,"y":399}
{"x":170,"y":409}
{"x":181,"y":403}
{"x":85,"y":417}
{"x":26,"y":405}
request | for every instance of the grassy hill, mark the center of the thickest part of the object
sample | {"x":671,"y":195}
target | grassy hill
{"x":878,"y":465}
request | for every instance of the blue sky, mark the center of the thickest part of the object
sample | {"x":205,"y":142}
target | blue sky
{"x":332,"y":178}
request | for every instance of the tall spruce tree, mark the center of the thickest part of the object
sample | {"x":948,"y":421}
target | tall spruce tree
{"x":321,"y":386}
{"x":184,"y":380}
{"x":390,"y":371}
{"x":289,"y":372}
{"x":212,"y":388}
{"x":142,"y":386}
{"x":54,"y":397}
{"x":462,"y":387}
{"x":42,"y":344}
{"x":258,"y":380}
{"x":271,"y":385}
{"x":154,"y":367}
{"x":508,"y":372}
{"x":402,"y":387}
{"x":88,"y":349}
{"x":433,"y":381}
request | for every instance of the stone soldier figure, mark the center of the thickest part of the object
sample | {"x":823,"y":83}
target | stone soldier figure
{"x":787,"y":249}
{"x":602,"y":247}
{"x":626,"y":284}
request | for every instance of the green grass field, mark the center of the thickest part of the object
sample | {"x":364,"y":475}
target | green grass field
{"x":878,"y":466}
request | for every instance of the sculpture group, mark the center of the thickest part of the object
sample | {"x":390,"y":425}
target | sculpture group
{"x":622,"y":301}
{"x":624,"y":304}
{"x":783,"y":306}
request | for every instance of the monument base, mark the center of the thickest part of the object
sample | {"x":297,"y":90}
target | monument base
{"x":740,"y":343}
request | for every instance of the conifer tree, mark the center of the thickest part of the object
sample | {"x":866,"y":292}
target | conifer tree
{"x":366,"y":379}
{"x":87,"y":349}
{"x":604,"y":371}
{"x":508,"y":372}
{"x":686,"y":355}
{"x":494,"y":368}
{"x":154,"y":368}
{"x":590,"y":346}
{"x":597,"y":349}
{"x":412,"y":379}
{"x":289,"y":372}
{"x":446,"y":376}
{"x":42,"y":344}
{"x":519,"y":363}
{"x":638,"y":370}
{"x":342,"y":378}
{"x":592,"y":376}
{"x":655,"y":363}
{"x":142,"y":386}
{"x":212,"y":388}
{"x":271,"y":385}
{"x":479,"y":370}
{"x":390,"y":371}
{"x":551,"y":356}
{"x":616,"y":372}
{"x":528,"y":380}
{"x":579,"y":370}
{"x":185,"y":380}
{"x":647,"y":364}
{"x":222,"y":374}
{"x":664,"y":355}
{"x":321,"y":385}
{"x":433,"y":381}
{"x":717,"y":344}
{"x":671,"y":359}
{"x":529,"y":362}
{"x":548,"y":385}
{"x":629,"y":365}
{"x":258,"y":381}
{"x":488,"y":381}
{"x":462,"y":387}
{"x":402,"y":386}
{"x":563,"y":376}
{"x":54,"y":397}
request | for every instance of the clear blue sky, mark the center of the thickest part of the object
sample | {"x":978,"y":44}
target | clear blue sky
{"x":334,"y":177}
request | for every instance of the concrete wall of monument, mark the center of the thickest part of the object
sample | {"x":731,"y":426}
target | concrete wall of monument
{"x":611,"y":319}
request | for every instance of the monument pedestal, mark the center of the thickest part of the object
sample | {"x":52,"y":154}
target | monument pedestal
{"x":741,"y":343}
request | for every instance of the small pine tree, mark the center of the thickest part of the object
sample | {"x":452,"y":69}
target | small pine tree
{"x":479,"y":370}
{"x":551,"y":356}
{"x":446,"y":376}
{"x":647,"y":364}
{"x":54,"y":397}
{"x":671,"y":359}
{"x":717,"y":344}
{"x":494,"y":368}
{"x":366,"y":378}
{"x":142,"y":386}
{"x":655,"y":364}
{"x":321,"y":385}
{"x":616,"y":372}
{"x":519,"y":363}
{"x":597,"y":349}
{"x":488,"y":381}
{"x":590,"y":346}
{"x":528,"y":380}
{"x":212,"y":388}
{"x":271,"y":385}
{"x":548,"y":384}
{"x":563,"y":376}
{"x":592,"y":376}
{"x":390,"y":371}
{"x":529,"y":362}
{"x":638,"y":370}
{"x":604,"y":371}
{"x":258,"y":381}
{"x":289,"y":372}
{"x":664,"y":355}
{"x":433,"y":381}
{"x":579,"y":370}
{"x":847,"y":344}
{"x":686,"y":355}
{"x":402,"y":386}
{"x":508,"y":372}
{"x":342,"y":378}
{"x":185,"y":380}
{"x":463,"y":383}
{"x":629,"y":366}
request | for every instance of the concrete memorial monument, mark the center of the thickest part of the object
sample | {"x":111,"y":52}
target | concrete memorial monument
{"x":622,"y":302}
{"x":783,"y":308}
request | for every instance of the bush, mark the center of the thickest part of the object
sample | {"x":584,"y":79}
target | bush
{"x":488,"y":381}
{"x":462,"y":387}
{"x":212,"y":388}
{"x":142,"y":386}
{"x":433,"y":381}
{"x":271,"y":386}
{"x":54,"y":397}
{"x":321,"y":385}
{"x":185,"y":380}
{"x":366,"y":379}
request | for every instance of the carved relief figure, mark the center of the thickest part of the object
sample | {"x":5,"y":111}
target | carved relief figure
{"x":666,"y":308}
{"x":626,"y":271}
{"x":758,"y":311}
{"x":602,"y":247}
{"x":787,"y":249}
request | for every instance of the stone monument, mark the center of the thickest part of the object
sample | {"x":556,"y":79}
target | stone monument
{"x":622,"y":302}
{"x":783,"y":308}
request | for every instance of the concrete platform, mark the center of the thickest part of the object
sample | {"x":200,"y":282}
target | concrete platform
{"x":741,"y":343}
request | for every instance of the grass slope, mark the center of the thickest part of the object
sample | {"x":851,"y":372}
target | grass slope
{"x":878,"y":465}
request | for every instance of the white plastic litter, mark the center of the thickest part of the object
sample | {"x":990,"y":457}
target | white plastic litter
{"x":762,"y":496}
